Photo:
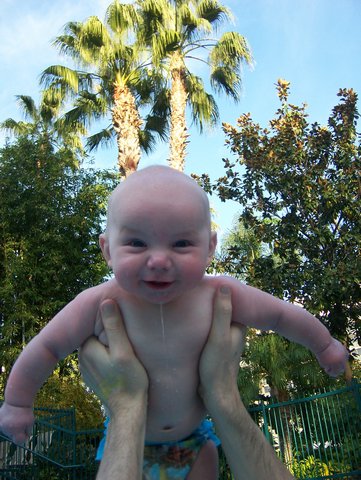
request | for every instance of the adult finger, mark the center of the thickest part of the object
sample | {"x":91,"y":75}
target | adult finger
{"x":92,"y":355}
{"x":114,"y":328}
{"x":91,"y":350}
{"x":222,"y":315}
{"x":223,"y":332}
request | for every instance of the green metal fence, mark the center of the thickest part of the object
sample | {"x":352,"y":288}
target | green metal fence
{"x":55,"y":451}
{"x":317,"y":437}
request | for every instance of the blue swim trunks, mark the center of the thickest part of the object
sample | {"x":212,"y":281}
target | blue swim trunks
{"x":173,"y":459}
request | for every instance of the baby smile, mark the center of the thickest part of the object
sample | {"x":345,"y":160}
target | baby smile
{"x":156,"y":285}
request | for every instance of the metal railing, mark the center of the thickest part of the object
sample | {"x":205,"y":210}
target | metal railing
{"x":55,"y":450}
{"x":317,"y":437}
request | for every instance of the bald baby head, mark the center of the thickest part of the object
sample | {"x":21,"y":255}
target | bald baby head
{"x":157,"y":184}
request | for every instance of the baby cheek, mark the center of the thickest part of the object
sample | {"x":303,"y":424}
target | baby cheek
{"x":125,"y":274}
{"x":195,"y":270}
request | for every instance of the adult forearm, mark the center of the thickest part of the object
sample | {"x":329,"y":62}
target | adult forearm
{"x":124,"y":448}
{"x":248,"y":453}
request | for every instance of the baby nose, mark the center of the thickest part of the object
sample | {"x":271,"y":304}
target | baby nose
{"x":159,"y":261}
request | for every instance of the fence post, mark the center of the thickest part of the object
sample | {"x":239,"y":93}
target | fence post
{"x":265,"y":421}
{"x":355,"y":387}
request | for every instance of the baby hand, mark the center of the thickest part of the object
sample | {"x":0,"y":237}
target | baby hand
{"x":333,"y":359}
{"x":16,"y":422}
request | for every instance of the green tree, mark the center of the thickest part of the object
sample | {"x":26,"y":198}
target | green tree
{"x":176,"y":31}
{"x":299,"y":188}
{"x":268,"y":358}
{"x":45,"y":121}
{"x":116,"y":81}
{"x":50,"y":217}
{"x":238,"y":251}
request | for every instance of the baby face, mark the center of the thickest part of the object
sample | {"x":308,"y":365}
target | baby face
{"x":159,"y":243}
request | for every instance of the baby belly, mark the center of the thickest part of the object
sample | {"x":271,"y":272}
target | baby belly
{"x":173,"y":413}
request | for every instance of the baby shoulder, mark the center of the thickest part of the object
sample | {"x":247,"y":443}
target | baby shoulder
{"x":95,"y":295}
{"x":248,"y":303}
{"x":218,"y":281}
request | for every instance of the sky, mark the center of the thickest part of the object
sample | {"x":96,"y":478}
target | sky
{"x":314,"y":44}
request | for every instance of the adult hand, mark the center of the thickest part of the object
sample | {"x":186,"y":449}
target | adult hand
{"x":114,"y":373}
{"x":120,"y":381}
{"x":219,"y":363}
{"x":249,"y":455}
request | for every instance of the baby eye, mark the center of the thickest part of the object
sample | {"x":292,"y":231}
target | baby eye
{"x":136,"y":243}
{"x":182,"y":244}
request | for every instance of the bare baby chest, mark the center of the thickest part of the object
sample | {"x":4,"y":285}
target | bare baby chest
{"x":169,"y":341}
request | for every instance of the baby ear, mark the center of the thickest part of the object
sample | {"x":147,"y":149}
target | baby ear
{"x":212,"y":245}
{"x":104,"y":245}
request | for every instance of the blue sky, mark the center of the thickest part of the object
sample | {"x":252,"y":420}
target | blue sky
{"x":314,"y":44}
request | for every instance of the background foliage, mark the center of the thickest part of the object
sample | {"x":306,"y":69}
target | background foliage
{"x":50,"y":217}
{"x":299,"y":188}
{"x":299,"y":230}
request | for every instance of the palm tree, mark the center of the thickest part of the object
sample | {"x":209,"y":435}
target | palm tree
{"x":44,"y":123}
{"x":117,"y":81}
{"x":174,"y":30}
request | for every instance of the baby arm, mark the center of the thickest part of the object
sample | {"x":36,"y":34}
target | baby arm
{"x":260,"y":310}
{"x":61,"y":336}
{"x":34,"y":365}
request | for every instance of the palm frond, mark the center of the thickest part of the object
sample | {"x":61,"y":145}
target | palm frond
{"x":27,"y":106}
{"x":94,"y":42}
{"x":73,"y":29}
{"x":156,"y":16}
{"x":66,"y":80}
{"x":203,"y":106}
{"x":142,"y":86}
{"x":52,"y":97}
{"x":158,"y":124}
{"x":164,"y":42}
{"x":15,"y":128}
{"x":226,"y":60}
{"x":232,"y":50}
{"x":189,"y":23}
{"x":60,"y":75}
{"x":123,"y":60}
{"x":67,"y":45}
{"x":51,"y":104}
{"x":66,"y":128}
{"x":102,"y":138}
{"x":161,"y":104}
{"x":213,"y":12}
{"x":225,"y":79}
{"x":122,"y":18}
{"x":147,"y":141}
{"x":84,"y":42}
{"x":88,"y":107}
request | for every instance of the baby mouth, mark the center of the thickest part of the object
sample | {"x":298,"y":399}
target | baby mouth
{"x":158,"y":285}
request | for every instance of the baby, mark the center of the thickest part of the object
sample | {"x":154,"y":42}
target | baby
{"x":158,"y":243}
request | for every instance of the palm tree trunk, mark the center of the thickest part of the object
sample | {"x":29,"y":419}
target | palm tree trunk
{"x":126,"y":123}
{"x":178,"y":102}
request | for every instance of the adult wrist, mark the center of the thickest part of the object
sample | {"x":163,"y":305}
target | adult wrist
{"x":120,"y":405}
{"x":224,"y":401}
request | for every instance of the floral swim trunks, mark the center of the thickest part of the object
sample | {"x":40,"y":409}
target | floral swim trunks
{"x":173,"y":460}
